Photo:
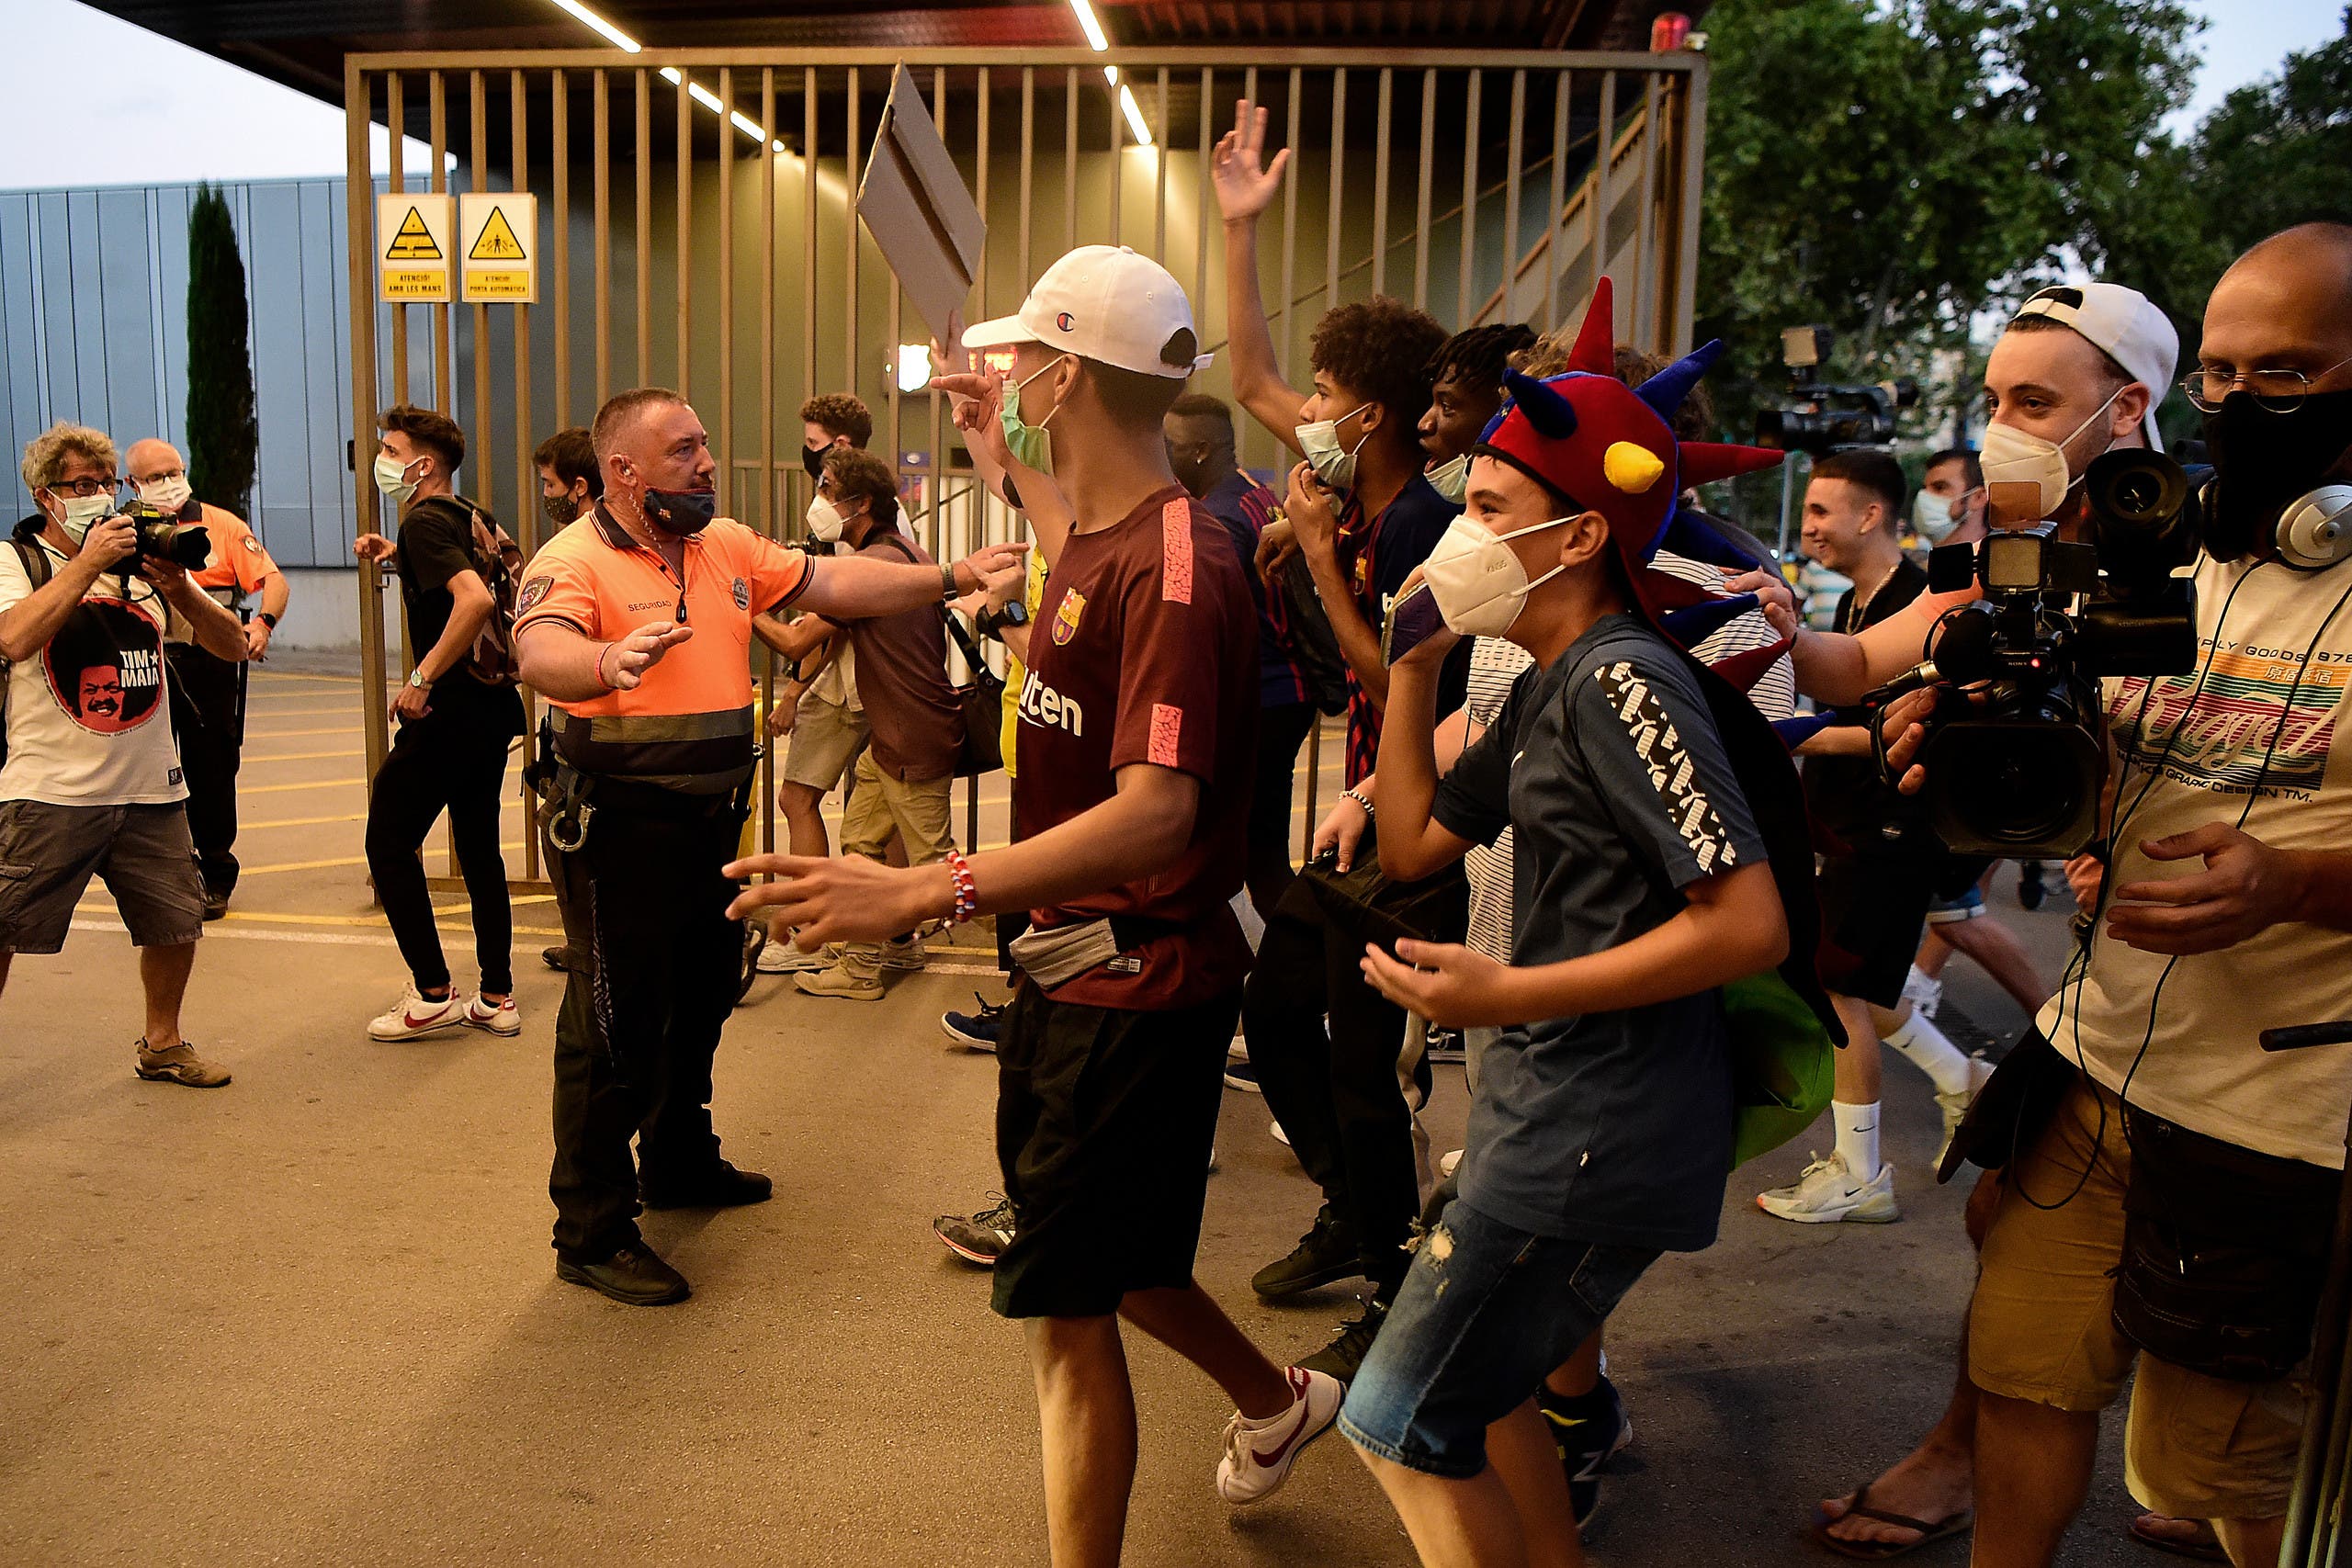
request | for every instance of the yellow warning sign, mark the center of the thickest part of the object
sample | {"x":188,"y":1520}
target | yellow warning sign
{"x":413,"y":235}
{"x":497,"y":242}
{"x":500,"y":233}
{"x":413,"y":241}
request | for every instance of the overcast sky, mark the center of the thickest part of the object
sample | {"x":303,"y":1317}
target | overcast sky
{"x":96,"y":101}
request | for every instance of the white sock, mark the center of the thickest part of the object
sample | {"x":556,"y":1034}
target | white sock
{"x":1857,"y":1137}
{"x":1924,"y":1045}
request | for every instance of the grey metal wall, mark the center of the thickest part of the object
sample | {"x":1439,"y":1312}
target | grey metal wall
{"x":94,"y":328}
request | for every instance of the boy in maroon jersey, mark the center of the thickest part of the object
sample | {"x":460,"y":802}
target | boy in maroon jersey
{"x":1136,"y":739}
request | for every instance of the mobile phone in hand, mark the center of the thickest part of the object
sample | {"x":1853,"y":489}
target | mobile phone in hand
{"x":1413,"y":621}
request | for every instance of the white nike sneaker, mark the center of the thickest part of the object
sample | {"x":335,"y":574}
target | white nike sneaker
{"x":502,"y":1018}
{"x":416,"y":1014}
{"x":780,"y":957}
{"x":1955,"y":1104}
{"x":1924,"y":992}
{"x":1258,"y":1455}
{"x":1827,"y":1192}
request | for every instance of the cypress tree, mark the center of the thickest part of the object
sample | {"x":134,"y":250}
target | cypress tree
{"x":222,"y":427}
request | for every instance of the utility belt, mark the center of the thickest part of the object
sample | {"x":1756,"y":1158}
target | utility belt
{"x":1055,"y":956}
{"x":570,"y":798}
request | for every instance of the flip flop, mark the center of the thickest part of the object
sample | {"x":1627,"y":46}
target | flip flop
{"x":1930,"y":1530}
{"x":2207,"y":1548}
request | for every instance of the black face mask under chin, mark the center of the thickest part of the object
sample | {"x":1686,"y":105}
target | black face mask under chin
{"x":2263,"y":461}
{"x":684,"y":513}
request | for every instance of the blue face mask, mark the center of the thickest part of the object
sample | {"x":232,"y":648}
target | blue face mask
{"x":684,"y":513}
{"x":1030,"y":445}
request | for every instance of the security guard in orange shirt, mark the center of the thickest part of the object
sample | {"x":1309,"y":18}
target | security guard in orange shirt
{"x":635,"y":621}
{"x":208,"y":693}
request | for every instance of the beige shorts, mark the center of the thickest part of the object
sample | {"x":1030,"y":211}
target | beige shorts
{"x":881,"y":805}
{"x":2042,"y":1329}
{"x":826,"y":738}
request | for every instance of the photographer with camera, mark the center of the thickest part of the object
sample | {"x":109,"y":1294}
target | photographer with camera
{"x":2164,"y":1185}
{"x":91,"y":784}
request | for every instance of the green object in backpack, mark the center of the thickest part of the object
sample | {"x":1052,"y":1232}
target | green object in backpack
{"x":1782,"y":1064}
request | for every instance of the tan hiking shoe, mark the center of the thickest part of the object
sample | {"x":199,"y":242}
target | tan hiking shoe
{"x":180,"y":1064}
{"x":846,"y":979}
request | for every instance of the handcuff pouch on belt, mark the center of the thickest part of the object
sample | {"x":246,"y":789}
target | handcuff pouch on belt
{"x":564,"y":807}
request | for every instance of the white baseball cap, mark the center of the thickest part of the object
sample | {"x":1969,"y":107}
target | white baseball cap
{"x":1106,"y":303}
{"x":2122,"y":323}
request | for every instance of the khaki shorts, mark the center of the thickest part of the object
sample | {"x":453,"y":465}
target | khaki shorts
{"x":2041,"y":1329}
{"x":826,"y":738}
{"x":881,"y":805}
{"x":47,"y":854}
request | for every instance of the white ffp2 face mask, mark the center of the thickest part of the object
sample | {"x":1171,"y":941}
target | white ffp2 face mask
{"x":1477,"y":580}
{"x":1451,"y":480}
{"x":2014,"y":457}
{"x":825,"y":520}
{"x":1319,"y":443}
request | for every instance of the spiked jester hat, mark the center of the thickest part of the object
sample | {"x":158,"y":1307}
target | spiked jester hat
{"x":1610,"y":448}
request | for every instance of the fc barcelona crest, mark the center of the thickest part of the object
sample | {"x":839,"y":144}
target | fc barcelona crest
{"x":1073,"y":606}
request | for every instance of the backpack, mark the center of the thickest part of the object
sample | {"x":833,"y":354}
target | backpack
{"x":499,"y":560}
{"x":36,"y":561}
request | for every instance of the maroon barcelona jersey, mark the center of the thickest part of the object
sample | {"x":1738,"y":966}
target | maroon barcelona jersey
{"x":1144,"y":649}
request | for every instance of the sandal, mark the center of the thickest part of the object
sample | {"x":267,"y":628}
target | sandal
{"x":2205,"y":1546}
{"x":1929,"y":1530}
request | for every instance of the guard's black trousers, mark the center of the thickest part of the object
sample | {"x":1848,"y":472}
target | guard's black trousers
{"x":1335,"y":1091}
{"x":207,"y":711}
{"x":655,"y":968}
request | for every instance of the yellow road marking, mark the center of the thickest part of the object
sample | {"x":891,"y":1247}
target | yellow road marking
{"x":273,"y":677}
{"x":375,"y":922}
{"x":292,"y":734}
{"x":302,"y":821}
{"x":325,"y":865}
{"x":301,"y":756}
{"x":244,"y":789}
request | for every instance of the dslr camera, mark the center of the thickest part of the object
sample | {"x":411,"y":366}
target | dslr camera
{"x":1822,"y":417}
{"x":157,"y":534}
{"x":2020,"y":768}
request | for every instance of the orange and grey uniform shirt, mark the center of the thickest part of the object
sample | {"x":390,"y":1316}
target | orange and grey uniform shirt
{"x":687,"y":725}
{"x":236,"y":568}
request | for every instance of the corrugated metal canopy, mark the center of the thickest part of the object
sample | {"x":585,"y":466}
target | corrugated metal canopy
{"x":302,"y":42}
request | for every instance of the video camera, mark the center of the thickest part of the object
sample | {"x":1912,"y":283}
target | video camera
{"x":156,"y":533}
{"x":1824,"y":417}
{"x":2019,"y":772}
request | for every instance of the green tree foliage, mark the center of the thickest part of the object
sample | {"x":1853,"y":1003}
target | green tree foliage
{"x":223,"y":429}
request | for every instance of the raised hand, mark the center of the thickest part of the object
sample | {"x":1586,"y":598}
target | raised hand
{"x":1244,"y":183}
{"x":622,"y":665}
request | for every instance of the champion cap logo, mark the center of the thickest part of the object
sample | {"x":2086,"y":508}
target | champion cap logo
{"x":1066,"y":321}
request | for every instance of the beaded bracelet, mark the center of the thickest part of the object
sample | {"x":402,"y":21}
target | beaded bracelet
{"x":967,"y":894}
{"x":1359,"y":798}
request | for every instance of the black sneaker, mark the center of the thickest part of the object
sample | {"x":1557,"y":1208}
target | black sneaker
{"x":556,"y":958}
{"x":974,"y":1031}
{"x":1343,"y":1356}
{"x":215,"y":903}
{"x":978,"y":1239}
{"x":1328,"y":1252}
{"x":1241,"y":1076}
{"x":634,"y":1276}
{"x":721,"y":1187}
{"x":1445,"y":1046}
{"x":1589,"y":1431}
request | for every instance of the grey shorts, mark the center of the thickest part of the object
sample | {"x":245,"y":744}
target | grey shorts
{"x":826,"y":739}
{"x":47,"y":854}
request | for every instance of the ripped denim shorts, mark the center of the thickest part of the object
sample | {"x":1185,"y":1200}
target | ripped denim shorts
{"x":1487,"y":1311}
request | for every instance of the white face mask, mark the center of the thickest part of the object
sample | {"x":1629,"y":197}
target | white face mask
{"x":2014,"y":457}
{"x":82,"y":512}
{"x":1937,"y":517}
{"x":1333,"y":464}
{"x":166,"y":496}
{"x":825,"y":520}
{"x":1451,"y":480}
{"x":1476,"y":579}
{"x":391,"y":478}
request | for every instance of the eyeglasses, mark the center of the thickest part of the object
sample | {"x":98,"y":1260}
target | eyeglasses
{"x":84,"y":487}
{"x":2279,"y":392}
{"x":159,"y":477}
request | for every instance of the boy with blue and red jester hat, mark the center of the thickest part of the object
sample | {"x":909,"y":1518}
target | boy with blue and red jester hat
{"x":1658,"y":855}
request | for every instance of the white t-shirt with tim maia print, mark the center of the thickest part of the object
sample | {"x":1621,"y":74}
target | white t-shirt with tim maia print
{"x":89,"y":716}
{"x":2264,"y":734}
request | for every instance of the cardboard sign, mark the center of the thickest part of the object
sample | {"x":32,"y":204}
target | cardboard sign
{"x":915,"y":206}
{"x":413,"y":245}
{"x":499,"y":231}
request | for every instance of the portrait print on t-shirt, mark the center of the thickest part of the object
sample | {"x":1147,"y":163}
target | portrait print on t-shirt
{"x":105,"y":666}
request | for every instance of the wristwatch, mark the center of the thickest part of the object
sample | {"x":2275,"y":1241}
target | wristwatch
{"x":994,"y":622}
{"x":265,"y":619}
{"x":416,"y":677}
{"x":947,"y":589}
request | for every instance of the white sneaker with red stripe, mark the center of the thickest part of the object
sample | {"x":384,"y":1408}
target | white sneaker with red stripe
{"x":1258,"y":1454}
{"x":497,"y":1017}
{"x":416,"y":1014}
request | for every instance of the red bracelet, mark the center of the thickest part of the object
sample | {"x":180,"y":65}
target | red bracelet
{"x":967,"y":896}
{"x":600,"y":666}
